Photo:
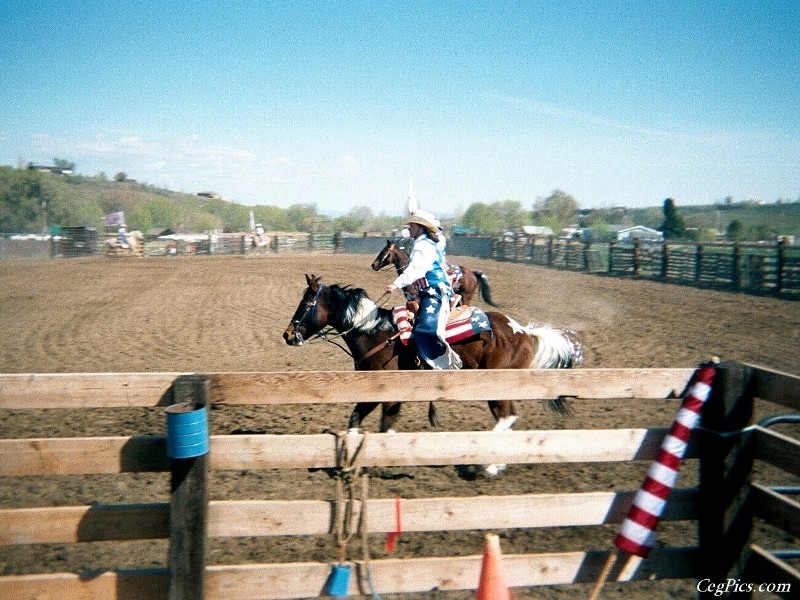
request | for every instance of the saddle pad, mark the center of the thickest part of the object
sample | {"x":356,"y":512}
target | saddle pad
{"x":454,"y":274}
{"x":466,"y":324}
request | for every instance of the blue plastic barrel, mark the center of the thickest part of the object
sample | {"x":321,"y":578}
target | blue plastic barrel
{"x":187,"y":430}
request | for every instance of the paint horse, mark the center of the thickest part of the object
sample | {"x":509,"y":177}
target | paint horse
{"x":465,"y":281}
{"x":369,"y":333}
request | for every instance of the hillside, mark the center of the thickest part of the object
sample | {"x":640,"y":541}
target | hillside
{"x":33,"y":201}
{"x":759,"y":221}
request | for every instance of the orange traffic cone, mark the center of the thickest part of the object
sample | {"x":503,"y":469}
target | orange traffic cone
{"x":492,"y":584}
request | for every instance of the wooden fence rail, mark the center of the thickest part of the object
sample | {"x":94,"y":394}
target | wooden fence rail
{"x":772,"y":268}
{"x":248,"y":518}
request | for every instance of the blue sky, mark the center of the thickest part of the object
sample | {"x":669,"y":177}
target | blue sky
{"x":343,"y":103}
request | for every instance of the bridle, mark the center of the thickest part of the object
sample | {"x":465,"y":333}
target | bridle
{"x":310,"y":308}
{"x":384,"y":256}
{"x":390,"y":256}
{"x":325,"y":333}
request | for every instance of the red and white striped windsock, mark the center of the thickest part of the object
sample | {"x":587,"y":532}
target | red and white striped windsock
{"x":637,"y":535}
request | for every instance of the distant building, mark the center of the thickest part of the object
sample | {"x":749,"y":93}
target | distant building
{"x":536,"y":230}
{"x":210,"y":195}
{"x":639,"y":233}
{"x":50,"y":169}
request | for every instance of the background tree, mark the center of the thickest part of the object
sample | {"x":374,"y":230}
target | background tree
{"x":673,"y":226}
{"x":63,"y":164}
{"x":512,"y":214}
{"x":273,"y":218}
{"x":162,"y":212}
{"x":559,"y":207}
{"x":139,"y":218}
{"x":483,"y":218}
{"x":735,"y":230}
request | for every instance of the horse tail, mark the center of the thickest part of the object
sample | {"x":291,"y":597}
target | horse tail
{"x":555,"y":348}
{"x":433,"y":417}
{"x":486,"y":290}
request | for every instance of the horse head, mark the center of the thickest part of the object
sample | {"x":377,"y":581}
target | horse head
{"x":311,"y":315}
{"x":384,"y":258}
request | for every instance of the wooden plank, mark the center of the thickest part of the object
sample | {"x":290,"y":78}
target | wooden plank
{"x":775,"y":386}
{"x":245,"y":518}
{"x":121,"y":585}
{"x":78,"y":456}
{"x":466,"y":385}
{"x":421,"y":575}
{"x":235,"y":452}
{"x":777,"y":449}
{"x":95,"y":390}
{"x":774,"y":508}
{"x":264,"y":518}
{"x":68,"y":524}
{"x":389,"y":576}
{"x":765,"y":568}
{"x":85,"y":390}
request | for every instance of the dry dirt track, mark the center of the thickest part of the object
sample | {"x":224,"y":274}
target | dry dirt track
{"x":206,"y":314}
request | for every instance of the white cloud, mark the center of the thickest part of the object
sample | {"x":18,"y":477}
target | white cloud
{"x":550,"y":110}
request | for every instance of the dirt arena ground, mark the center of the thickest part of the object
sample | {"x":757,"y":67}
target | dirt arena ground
{"x":206,"y":314}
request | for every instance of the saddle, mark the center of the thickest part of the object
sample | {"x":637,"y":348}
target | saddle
{"x":463,"y":323}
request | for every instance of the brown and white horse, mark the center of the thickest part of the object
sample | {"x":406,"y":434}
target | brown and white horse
{"x":466,"y":282}
{"x":368,"y":331}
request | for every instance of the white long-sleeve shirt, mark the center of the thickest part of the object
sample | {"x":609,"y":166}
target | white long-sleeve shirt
{"x":424,"y":254}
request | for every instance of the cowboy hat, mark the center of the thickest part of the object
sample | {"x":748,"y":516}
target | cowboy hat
{"x":424,"y":218}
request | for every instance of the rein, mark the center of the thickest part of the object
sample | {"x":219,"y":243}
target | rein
{"x":376,"y":349}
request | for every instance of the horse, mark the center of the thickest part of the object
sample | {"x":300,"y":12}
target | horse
{"x":368,"y":331}
{"x":466,"y":281}
{"x":134,"y":244}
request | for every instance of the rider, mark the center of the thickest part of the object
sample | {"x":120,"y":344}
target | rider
{"x":426,"y":273}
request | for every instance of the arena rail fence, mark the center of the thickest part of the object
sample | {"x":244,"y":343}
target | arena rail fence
{"x":758,"y":268}
{"x":727,"y":447}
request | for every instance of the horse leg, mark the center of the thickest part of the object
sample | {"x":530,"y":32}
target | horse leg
{"x":360,"y":413}
{"x":506,"y":415}
{"x":504,"y":412}
{"x":389,"y":413}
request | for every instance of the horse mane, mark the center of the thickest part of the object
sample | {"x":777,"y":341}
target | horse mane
{"x":353,"y":308}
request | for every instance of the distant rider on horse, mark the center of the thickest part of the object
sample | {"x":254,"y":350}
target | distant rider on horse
{"x":426,"y":274}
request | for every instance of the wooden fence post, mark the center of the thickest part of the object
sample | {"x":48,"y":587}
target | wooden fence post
{"x":698,"y":263}
{"x":664,"y":259}
{"x":780,"y":261}
{"x":586,"y":249}
{"x":188,"y":507}
{"x":611,"y":245}
{"x":736,"y":275}
{"x":725,"y":463}
{"x":637,"y":257}
{"x":550,"y":243}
